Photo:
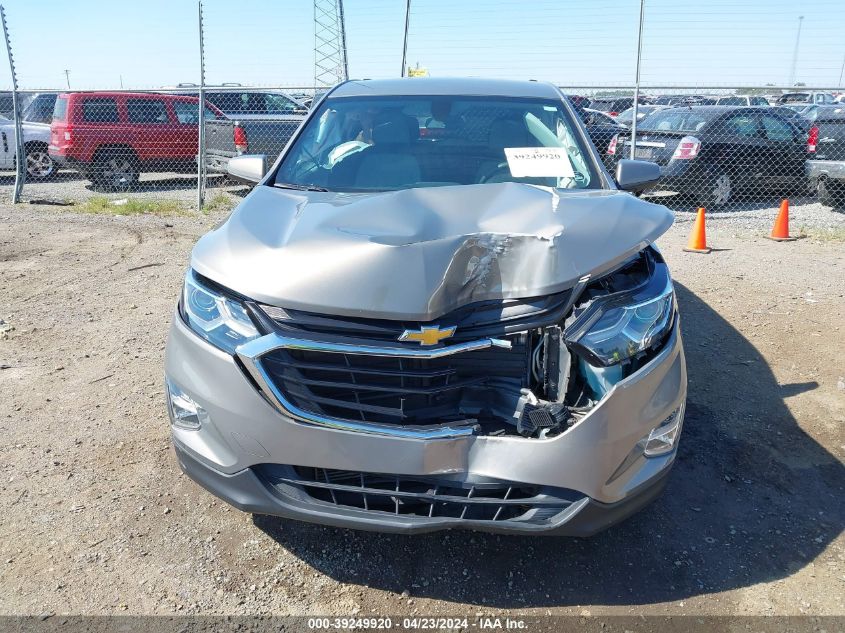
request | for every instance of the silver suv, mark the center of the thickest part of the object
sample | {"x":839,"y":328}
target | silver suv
{"x":436,"y":310}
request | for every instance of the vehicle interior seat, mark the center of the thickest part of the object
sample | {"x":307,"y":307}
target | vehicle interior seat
{"x":505,"y":132}
{"x":389,"y":161}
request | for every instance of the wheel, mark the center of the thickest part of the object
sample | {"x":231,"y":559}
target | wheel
{"x":831,"y":194}
{"x":718,"y":192}
{"x":39,"y":164}
{"x":116,"y":170}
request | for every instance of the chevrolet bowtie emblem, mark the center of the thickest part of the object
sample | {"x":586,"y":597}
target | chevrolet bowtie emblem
{"x":427,"y":335}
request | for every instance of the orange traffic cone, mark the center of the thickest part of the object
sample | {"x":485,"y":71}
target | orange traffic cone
{"x":780,"y":231}
{"x":698,"y":238}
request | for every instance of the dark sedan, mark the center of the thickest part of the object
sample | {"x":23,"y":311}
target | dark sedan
{"x":601,"y":128}
{"x":715,"y":152}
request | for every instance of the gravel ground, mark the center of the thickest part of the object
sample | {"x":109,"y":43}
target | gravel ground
{"x":97,"y":518}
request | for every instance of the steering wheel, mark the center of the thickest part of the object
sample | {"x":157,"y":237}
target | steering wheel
{"x":501,"y":167}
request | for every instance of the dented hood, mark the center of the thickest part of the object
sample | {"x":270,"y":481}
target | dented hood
{"x":417,"y":254}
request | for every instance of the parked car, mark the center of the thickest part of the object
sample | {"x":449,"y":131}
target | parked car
{"x":826,"y":167}
{"x":111,"y":137}
{"x":410,"y":333}
{"x":677,"y":100}
{"x":715,"y":152}
{"x":39,"y":165}
{"x":742,"y":100}
{"x":226,"y":138}
{"x":626,"y":117}
{"x":601,"y":128}
{"x":800,"y":114}
{"x":818,"y":98}
{"x":612,"y":106}
{"x":250,"y":104}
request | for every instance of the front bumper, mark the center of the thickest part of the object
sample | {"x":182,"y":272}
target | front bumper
{"x":597,"y":459}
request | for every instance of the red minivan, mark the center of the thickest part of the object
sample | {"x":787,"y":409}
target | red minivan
{"x":111,"y":137}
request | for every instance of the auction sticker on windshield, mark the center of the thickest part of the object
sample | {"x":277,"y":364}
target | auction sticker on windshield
{"x":539,"y":162}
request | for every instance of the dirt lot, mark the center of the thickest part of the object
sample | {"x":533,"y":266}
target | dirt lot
{"x":96,"y":517}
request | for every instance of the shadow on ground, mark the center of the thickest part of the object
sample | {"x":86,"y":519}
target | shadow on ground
{"x":752,"y":499}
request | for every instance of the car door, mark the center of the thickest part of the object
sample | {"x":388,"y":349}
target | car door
{"x":786,"y":152}
{"x":152,"y":137}
{"x":737,"y":147}
{"x":7,"y":144}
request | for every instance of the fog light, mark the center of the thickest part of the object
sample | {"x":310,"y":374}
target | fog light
{"x":662,"y":439}
{"x":184,"y":412}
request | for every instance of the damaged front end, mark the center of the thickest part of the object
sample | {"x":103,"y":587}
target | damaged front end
{"x":529,"y":367}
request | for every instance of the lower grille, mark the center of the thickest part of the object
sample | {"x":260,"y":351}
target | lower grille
{"x":425,"y":497}
{"x":481,"y":384}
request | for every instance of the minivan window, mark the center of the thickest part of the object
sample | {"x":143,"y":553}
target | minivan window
{"x":732,"y":101}
{"x":60,"y":109}
{"x":99,"y":111}
{"x":146,"y":111}
{"x":389,"y":143}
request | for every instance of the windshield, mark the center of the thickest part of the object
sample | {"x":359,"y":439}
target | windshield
{"x":388,"y":143}
{"x":675,"y":120}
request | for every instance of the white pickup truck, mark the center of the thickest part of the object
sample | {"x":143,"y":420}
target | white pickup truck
{"x":36,"y":137}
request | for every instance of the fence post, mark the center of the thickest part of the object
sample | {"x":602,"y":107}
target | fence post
{"x":20,"y":160}
{"x":636,"y":104}
{"x":201,"y":119}
{"x":405,"y":40}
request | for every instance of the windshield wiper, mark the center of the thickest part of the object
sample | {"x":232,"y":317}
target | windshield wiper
{"x":293,"y":185}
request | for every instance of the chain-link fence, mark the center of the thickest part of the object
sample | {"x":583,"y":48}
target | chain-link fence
{"x":738,"y":102}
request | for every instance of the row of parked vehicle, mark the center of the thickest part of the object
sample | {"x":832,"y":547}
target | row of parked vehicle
{"x":717,"y":152}
{"x":112,"y":137}
{"x":712,"y":151}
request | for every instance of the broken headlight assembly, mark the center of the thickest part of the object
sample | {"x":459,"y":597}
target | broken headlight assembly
{"x":615,"y":327}
{"x":220,"y":320}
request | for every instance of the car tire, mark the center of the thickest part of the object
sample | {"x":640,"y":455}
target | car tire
{"x":116,"y":170}
{"x":830,"y":193}
{"x":39,"y":164}
{"x":718,"y":193}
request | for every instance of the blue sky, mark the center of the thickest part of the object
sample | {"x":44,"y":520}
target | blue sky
{"x":152,"y":43}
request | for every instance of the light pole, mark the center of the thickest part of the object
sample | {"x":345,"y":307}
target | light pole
{"x":637,"y":83}
{"x":405,"y":40}
{"x":67,"y":78}
{"x":795,"y":52}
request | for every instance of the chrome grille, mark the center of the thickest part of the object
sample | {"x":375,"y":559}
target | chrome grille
{"x":394,"y":390}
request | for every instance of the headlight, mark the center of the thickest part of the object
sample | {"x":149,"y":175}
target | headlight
{"x":620,"y":326}
{"x":221,"y":321}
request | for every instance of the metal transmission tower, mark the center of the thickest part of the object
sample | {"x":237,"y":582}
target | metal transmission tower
{"x":330,"y":65}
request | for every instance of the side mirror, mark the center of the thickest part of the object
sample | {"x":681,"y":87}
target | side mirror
{"x":249,"y":168}
{"x":636,"y":175}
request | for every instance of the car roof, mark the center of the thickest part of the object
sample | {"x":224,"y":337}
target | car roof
{"x":445,"y":86}
{"x":123,"y":93}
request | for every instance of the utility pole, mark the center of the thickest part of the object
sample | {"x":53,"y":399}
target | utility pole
{"x":405,"y":41}
{"x":330,"y":64}
{"x":795,"y":52}
{"x":67,"y":78}
{"x":636,"y":104}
